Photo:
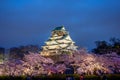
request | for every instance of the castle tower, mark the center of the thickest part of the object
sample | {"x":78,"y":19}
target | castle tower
{"x":58,"y":43}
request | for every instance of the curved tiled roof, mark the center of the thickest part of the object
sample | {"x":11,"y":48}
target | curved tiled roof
{"x":59,"y":28}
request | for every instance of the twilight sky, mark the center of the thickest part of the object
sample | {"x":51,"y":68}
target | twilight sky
{"x":24,"y":22}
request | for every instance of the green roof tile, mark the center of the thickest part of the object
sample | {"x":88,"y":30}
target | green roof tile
{"x":58,"y":28}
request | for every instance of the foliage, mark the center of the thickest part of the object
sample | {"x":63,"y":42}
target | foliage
{"x":61,"y":77}
{"x":19,"y":52}
{"x":89,"y":63}
{"x":2,"y":50}
{"x":32,"y":64}
{"x":82,"y":62}
{"x":103,"y":47}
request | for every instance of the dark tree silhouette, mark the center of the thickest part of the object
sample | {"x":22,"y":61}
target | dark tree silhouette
{"x":103,"y":47}
{"x":2,"y":51}
{"x":19,"y":52}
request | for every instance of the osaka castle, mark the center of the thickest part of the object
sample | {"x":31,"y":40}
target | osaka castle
{"x":58,"y":43}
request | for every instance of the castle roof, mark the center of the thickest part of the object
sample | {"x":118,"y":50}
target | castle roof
{"x":59,"y":28}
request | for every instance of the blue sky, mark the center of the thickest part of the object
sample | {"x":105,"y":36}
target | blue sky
{"x":24,"y":22}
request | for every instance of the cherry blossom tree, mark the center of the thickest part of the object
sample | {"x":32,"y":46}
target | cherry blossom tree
{"x":83,"y":62}
{"x":32,"y":64}
{"x":90,"y":63}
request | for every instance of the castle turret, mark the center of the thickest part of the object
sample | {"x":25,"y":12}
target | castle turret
{"x":58,"y":43}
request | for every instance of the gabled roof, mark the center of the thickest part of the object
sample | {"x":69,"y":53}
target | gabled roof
{"x":59,"y":28}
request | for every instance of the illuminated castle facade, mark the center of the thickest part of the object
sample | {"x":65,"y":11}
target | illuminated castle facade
{"x":58,"y":43}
